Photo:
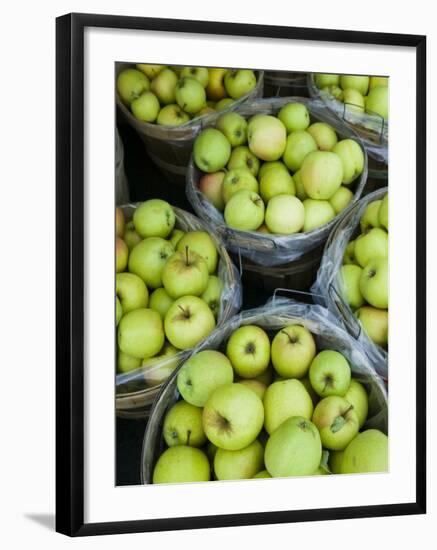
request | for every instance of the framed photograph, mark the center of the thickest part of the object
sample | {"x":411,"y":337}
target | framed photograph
{"x":176,"y":237}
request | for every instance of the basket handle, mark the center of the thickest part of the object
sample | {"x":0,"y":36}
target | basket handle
{"x":354,"y":327}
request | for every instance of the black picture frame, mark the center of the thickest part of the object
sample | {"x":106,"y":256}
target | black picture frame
{"x":70,"y":273}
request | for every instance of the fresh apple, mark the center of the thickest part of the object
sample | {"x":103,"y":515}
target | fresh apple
{"x":334,"y":461}
{"x":241,"y":464}
{"x":239,"y":82}
{"x":211,"y":150}
{"x":131,"y":84}
{"x":275,"y":165}
{"x":205,"y":110}
{"x":147,"y":260}
{"x":118,"y":311}
{"x":172,"y":115}
{"x":367,"y":452}
{"x":352,"y":159}
{"x":255,"y":385}
{"x":378,"y":81}
{"x":350,"y":276}
{"x":121,"y":255}
{"x":223,"y":104}
{"x":201,"y":74}
{"x":353,"y":100}
{"x":119,"y":222}
{"x":300,"y":189}
{"x":299,"y":144}
{"x":330,"y":373}
{"x":276,"y":181}
{"x":127,"y":363}
{"x":175,"y":236}
{"x":237,"y":179}
{"x":241,"y":157}
{"x":337,"y":422}
{"x":371,"y":245}
{"x":131,"y":291}
{"x":157,"y":369}
{"x":374,"y":283}
{"x":233,"y":417}
{"x":183,"y":425}
{"x":234,"y":127}
{"x":335,"y":91}
{"x":145,"y":107}
{"x":190,"y":95}
{"x":285,"y":214}
{"x":322,"y":174}
{"x":377,"y":102}
{"x":202,"y":244}
{"x":163,"y":86}
{"x":150,"y":70}
{"x":131,"y":237}
{"x":263,"y":474}
{"x":349,"y":254}
{"x":359,"y":83}
{"x":294,"y":449}
{"x":185,"y":273}
{"x":160,"y":301}
{"x":244,"y":211}
{"x":324,"y":135}
{"x":294,"y":116}
{"x":215,"y":88}
{"x":154,"y":218}
{"x":248,"y":349}
{"x":212,"y":294}
{"x":357,"y":396}
{"x":293,"y":349}
{"x":211,"y":185}
{"x":181,"y":464}
{"x":383,"y":212}
{"x":317,"y":213}
{"x":370,"y":217}
{"x":267,"y":137}
{"x":140,"y":333}
{"x":375,"y":323}
{"x":322,"y":80}
{"x":341,"y":199}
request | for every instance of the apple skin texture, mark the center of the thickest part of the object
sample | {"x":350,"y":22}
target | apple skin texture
{"x":160,"y":301}
{"x":299,"y":144}
{"x":150,"y":70}
{"x":255,"y":385}
{"x":322,"y":174}
{"x":146,"y":107}
{"x":317,"y":214}
{"x":350,"y":276}
{"x":236,"y":180}
{"x":172,"y":115}
{"x":371,"y":245}
{"x":336,"y":421}
{"x":292,"y":351}
{"x":374,"y":283}
{"x":375,"y":323}
{"x":131,"y":291}
{"x":181,"y":464}
{"x":294,"y":116}
{"x":120,"y":223}
{"x":175,"y":236}
{"x":140,"y":333}
{"x":359,"y":83}
{"x":276,"y":181}
{"x":185,"y":273}
{"x":324,"y":135}
{"x":163,"y":86}
{"x":178,"y":322}
{"x":211,"y":186}
{"x":234,"y":127}
{"x":352,"y":159}
{"x":131,"y":84}
{"x":212,"y":294}
{"x":190,"y":95}
{"x":330,"y":374}
{"x":340,"y":199}
{"x":242,"y":157}
{"x":239,"y":82}
{"x":368,"y":452}
{"x":383,"y":212}
{"x":121,"y":255}
{"x":377,"y":102}
{"x":285,"y":214}
{"x":322,"y":80}
{"x":241,"y":464}
{"x":357,"y":396}
{"x":154,"y":218}
{"x":244,"y":211}
{"x":267,"y":137}
{"x":211,"y":150}
{"x":183,"y":425}
{"x":147,"y":260}
{"x":202,"y":244}
{"x":201,"y":74}
{"x":248,"y":349}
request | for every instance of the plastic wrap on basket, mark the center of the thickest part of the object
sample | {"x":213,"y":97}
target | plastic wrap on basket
{"x":270,"y":249}
{"x":274,"y":315}
{"x":327,"y":287}
{"x":121,"y":184}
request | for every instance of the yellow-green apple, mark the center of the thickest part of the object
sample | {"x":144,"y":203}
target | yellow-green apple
{"x":131,"y":84}
{"x":224,"y":103}
{"x":285,"y":214}
{"x":335,"y":91}
{"x":248,"y":349}
{"x":375,"y":323}
{"x":172,"y":115}
{"x":359,"y":83}
{"x":377,"y":102}
{"x":160,"y":301}
{"x":157,"y":369}
{"x":378,"y":81}
{"x":215,"y":88}
{"x":188,"y":321}
{"x":211,"y":150}
{"x":324,"y":135}
{"x":276,"y":181}
{"x":357,"y":396}
{"x":205,"y":110}
{"x":334,"y":461}
{"x":294,"y":116}
{"x":330,"y":373}
{"x":317,"y":213}
{"x":150,"y":70}
{"x":299,"y":144}
{"x":131,"y":237}
{"x":255,"y":385}
{"x":294,"y":449}
{"x":185,"y":273}
{"x":241,"y":157}
{"x":353,"y":100}
{"x":175,"y":236}
{"x":271,"y":165}
{"x":181,"y":464}
{"x":154,"y":218}
{"x":212,"y":294}
{"x":349,"y":254}
{"x":201,"y":74}
{"x":234,"y":127}
{"x":202,"y":374}
{"x":211,"y":186}
{"x":237,"y":179}
{"x":374,"y":283}
{"x":239,"y":82}
{"x":367,"y":452}
{"x":370,"y":217}
{"x":293,"y":349}
{"x":131,"y":291}
{"x":233,"y":417}
{"x":119,"y":222}
{"x":202,"y":244}
{"x":127,"y":363}
{"x":371,"y":245}
{"x":284,"y":399}
{"x":383,"y":212}
{"x":267,"y":137}
{"x":146,"y":107}
{"x":352,"y":159}
{"x":121,"y":255}
{"x":341,"y":198}
{"x":350,"y":276}
{"x":118,"y":311}
{"x":300,"y":189}
{"x":263,"y":474}
{"x":183,"y":425}
{"x":322,"y":80}
{"x":241,"y":464}
{"x":140,"y":333}
{"x":245,"y":211}
{"x":163,"y":86}
{"x":147,"y":260}
{"x":322,"y":174}
{"x":190,"y":95}
{"x":337,"y":422}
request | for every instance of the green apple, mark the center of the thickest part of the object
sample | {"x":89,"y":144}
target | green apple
{"x":147,"y":260}
{"x":349,"y":254}
{"x":267,"y":137}
{"x":211,"y":150}
{"x":248,"y":349}
{"x":293,"y":349}
{"x":370,"y":217}
{"x":371,"y":245}
{"x":241,"y":464}
{"x":324,"y":135}
{"x":341,"y":198}
{"x":276,"y":181}
{"x":163,"y":86}
{"x":154,"y":218}
{"x":317,"y":213}
{"x":357,"y":396}
{"x":215,"y":88}
{"x":337,"y":422}
{"x":234,"y":127}
{"x":239,"y":82}
{"x":146,"y":107}
{"x":157,"y":369}
{"x":181,"y":464}
{"x":352,"y":159}
{"x":121,"y":255}
{"x":322,"y":174}
{"x":150,"y":70}
{"x":368,"y":452}
{"x":188,"y":321}
{"x":131,"y":291}
{"x":172,"y":115}
{"x":377,"y":102}
{"x":131,"y":237}
{"x":350,"y":276}
{"x":223,"y":104}
{"x":183,"y":425}
{"x":190,"y":95}
{"x":378,"y":81}
{"x":127,"y":363}
{"x":140,"y":333}
{"x":212,"y":294}
{"x":330,"y":373}
{"x":375,"y":323}
{"x":294,"y":449}
{"x":237,"y":179}
{"x":263,"y":474}
{"x":201,"y":74}
{"x":233,"y":417}
{"x":353,"y":100}
{"x":160,"y":301}
{"x":211,"y":185}
{"x":294,"y":116}
{"x":374,"y":283}
{"x":131,"y":84}
{"x":383,"y":212}
{"x":205,"y":110}
{"x":321,"y":80}
{"x":202,"y":374}
{"x":175,"y":236}
{"x":241,"y":157}
{"x":359,"y":83}
{"x":275,"y":165}
{"x":185,"y":273}
{"x":334,"y":461}
{"x":300,"y":189}
{"x":119,"y":222}
{"x":299,"y":144}
{"x":335,"y":91}
{"x":255,"y":385}
{"x":284,"y":399}
{"x":244,"y":211}
{"x":118,"y":310}
{"x":202,"y":244}
{"x":285,"y":214}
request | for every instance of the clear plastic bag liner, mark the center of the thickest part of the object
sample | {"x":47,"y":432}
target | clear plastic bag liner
{"x":121,"y":184}
{"x":277,"y":313}
{"x":270,"y":249}
{"x":327,"y":288}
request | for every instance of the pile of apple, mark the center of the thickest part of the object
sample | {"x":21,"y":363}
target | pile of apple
{"x":167,"y":289}
{"x":360,"y":93}
{"x":268,"y":409}
{"x":364,"y":273}
{"x":171,"y":96}
{"x":277,"y":174}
